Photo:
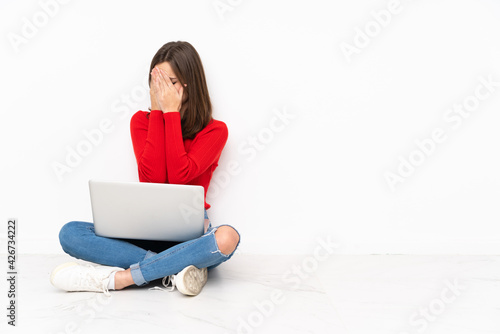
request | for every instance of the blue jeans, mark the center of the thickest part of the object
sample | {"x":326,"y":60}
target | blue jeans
{"x":148,"y":260}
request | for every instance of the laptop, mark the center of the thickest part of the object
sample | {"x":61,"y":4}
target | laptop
{"x":149,"y":211}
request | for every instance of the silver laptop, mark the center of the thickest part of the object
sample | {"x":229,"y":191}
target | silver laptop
{"x":149,"y":211}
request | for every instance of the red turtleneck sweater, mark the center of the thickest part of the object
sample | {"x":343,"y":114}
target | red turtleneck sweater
{"x":164,"y":157}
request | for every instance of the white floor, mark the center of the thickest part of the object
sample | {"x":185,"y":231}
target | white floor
{"x":375,"y":294}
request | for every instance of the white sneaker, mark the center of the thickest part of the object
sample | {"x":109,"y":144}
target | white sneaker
{"x":72,"y":276}
{"x":189,"y":281}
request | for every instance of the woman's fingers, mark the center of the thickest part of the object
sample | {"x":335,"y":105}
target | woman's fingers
{"x":154,"y":76}
{"x":163,"y":84}
{"x":154,"y":90}
{"x":166,"y":78}
{"x":168,"y":97}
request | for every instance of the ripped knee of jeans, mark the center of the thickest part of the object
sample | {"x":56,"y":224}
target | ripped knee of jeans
{"x":227,"y":239}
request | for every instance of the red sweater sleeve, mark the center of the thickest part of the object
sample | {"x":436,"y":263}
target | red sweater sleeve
{"x":204,"y":151}
{"x":148,"y":139}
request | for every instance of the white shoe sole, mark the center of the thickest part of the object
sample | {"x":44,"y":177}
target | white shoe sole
{"x":59,"y":268}
{"x":191,"y":280}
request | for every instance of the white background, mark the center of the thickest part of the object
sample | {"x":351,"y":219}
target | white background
{"x":322,"y":174}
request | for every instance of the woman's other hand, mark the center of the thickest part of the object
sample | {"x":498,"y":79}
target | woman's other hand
{"x":168,"y":97}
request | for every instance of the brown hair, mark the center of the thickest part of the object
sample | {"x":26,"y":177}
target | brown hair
{"x":196,"y":109}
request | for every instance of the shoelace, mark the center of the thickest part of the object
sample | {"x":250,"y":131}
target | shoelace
{"x":171,"y":280}
{"x":90,"y":280}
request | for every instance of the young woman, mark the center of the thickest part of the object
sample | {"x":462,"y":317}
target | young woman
{"x":179,"y":142}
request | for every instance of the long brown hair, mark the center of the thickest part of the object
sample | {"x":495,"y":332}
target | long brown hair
{"x":196,"y":109}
